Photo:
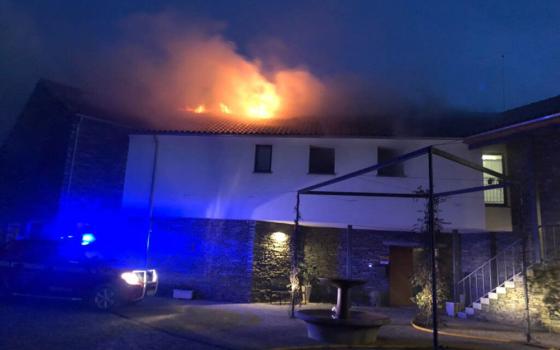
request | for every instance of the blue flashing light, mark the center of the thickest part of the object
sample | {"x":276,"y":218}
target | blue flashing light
{"x":88,"y":238}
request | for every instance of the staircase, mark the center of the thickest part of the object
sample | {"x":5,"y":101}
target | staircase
{"x":497,"y":286}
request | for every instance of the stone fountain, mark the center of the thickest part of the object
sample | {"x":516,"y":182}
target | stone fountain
{"x":341,"y":325}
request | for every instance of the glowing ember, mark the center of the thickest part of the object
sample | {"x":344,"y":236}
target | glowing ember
{"x":198,"y":109}
{"x":224,"y":108}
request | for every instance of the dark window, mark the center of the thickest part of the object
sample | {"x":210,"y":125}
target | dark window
{"x":321,"y":160}
{"x":263,"y":159}
{"x":493,"y":162}
{"x":384,"y":155}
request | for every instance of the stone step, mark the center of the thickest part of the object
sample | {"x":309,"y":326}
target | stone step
{"x":463,"y":315}
{"x":509,"y":284}
{"x":469,"y":311}
{"x":501,"y":290}
{"x":477,"y":306}
{"x":493,"y":295}
{"x":517,"y":278}
{"x":485,"y":301}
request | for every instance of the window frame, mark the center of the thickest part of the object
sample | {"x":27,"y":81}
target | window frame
{"x":257,"y":170}
{"x":400,"y":166}
{"x":330,"y":149}
{"x":504,"y":189}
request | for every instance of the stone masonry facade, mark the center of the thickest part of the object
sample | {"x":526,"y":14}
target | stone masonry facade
{"x":214,"y":258}
{"x":248,"y":261}
{"x":534,"y":162}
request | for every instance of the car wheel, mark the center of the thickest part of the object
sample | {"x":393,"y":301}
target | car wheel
{"x":104,"y":298}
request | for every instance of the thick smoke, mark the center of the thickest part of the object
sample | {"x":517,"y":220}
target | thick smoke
{"x":161,"y":67}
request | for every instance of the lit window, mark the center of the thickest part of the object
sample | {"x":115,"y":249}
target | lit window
{"x":384,"y":155}
{"x":263,"y":159}
{"x":493,"y":162}
{"x":321,"y":160}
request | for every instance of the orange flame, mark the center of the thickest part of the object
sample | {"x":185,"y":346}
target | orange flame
{"x":222,"y":82}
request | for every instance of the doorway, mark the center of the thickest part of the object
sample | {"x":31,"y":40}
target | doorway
{"x":400,"y":270}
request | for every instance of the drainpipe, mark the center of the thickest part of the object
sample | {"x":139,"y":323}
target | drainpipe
{"x":151,"y":201}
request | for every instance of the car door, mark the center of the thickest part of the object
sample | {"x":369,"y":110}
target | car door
{"x":70,"y":271}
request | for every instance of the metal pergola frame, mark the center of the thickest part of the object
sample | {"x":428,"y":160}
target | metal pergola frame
{"x":430,"y":151}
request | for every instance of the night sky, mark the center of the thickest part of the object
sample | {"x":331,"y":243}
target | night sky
{"x":444,"y":52}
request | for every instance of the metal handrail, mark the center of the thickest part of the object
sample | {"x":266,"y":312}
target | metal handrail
{"x":507,"y":264}
{"x":489,"y":260}
{"x":491,"y":274}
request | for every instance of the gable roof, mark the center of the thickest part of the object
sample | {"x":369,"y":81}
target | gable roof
{"x":540,"y":114}
{"x":447,"y":124}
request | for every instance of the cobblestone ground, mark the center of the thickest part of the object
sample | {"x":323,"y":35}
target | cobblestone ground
{"x":159,"y":323}
{"x":38,"y":324}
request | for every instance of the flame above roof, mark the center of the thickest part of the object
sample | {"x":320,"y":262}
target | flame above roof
{"x":452,"y":124}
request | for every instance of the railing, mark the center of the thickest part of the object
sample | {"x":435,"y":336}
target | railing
{"x":550,"y":242}
{"x":491,"y":274}
{"x":507,"y":264}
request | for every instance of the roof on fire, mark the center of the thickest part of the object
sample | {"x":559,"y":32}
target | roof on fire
{"x":437,"y":125}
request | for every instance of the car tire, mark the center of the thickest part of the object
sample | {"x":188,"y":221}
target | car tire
{"x":104,"y":298}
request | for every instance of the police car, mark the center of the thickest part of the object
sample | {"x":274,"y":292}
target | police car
{"x":68,"y":269}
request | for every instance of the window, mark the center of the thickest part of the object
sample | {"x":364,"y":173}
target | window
{"x":493,"y":162}
{"x":384,"y":155}
{"x":321,"y":160}
{"x":263,"y":159}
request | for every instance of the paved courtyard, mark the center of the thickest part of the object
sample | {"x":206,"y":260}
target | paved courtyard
{"x":160,"y":323}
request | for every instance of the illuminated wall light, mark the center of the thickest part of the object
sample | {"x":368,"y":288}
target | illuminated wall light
{"x":279,"y":237}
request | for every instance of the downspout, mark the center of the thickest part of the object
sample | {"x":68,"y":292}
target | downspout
{"x":151,"y":201}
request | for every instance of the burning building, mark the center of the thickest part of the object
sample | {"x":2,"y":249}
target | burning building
{"x":215,"y":194}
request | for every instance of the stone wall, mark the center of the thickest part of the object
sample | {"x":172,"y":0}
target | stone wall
{"x":534,"y":158}
{"x":95,"y":169}
{"x":326,"y":251}
{"x":271,"y":260}
{"x":214,"y":258}
{"x":510,"y":308}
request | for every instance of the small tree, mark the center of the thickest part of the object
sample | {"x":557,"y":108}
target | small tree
{"x":302,"y":279}
{"x":421,"y":280}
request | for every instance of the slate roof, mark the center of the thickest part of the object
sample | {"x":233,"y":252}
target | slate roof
{"x":437,"y":125}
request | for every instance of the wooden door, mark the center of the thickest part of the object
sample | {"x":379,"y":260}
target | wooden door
{"x":400,"y":270}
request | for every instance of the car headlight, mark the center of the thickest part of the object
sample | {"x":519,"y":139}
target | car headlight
{"x":131,"y":278}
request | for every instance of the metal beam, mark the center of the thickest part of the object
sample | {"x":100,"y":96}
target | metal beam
{"x":468,"y":164}
{"x":369,"y":169}
{"x":471,"y":189}
{"x":367,"y":194}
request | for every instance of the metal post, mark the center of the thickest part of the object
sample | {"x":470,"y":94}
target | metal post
{"x":348,"y":251}
{"x":457,"y":264}
{"x":526,"y":290}
{"x":432,"y":231}
{"x":294,"y":246}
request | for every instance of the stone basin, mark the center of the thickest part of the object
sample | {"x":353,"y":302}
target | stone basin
{"x":360,"y":328}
